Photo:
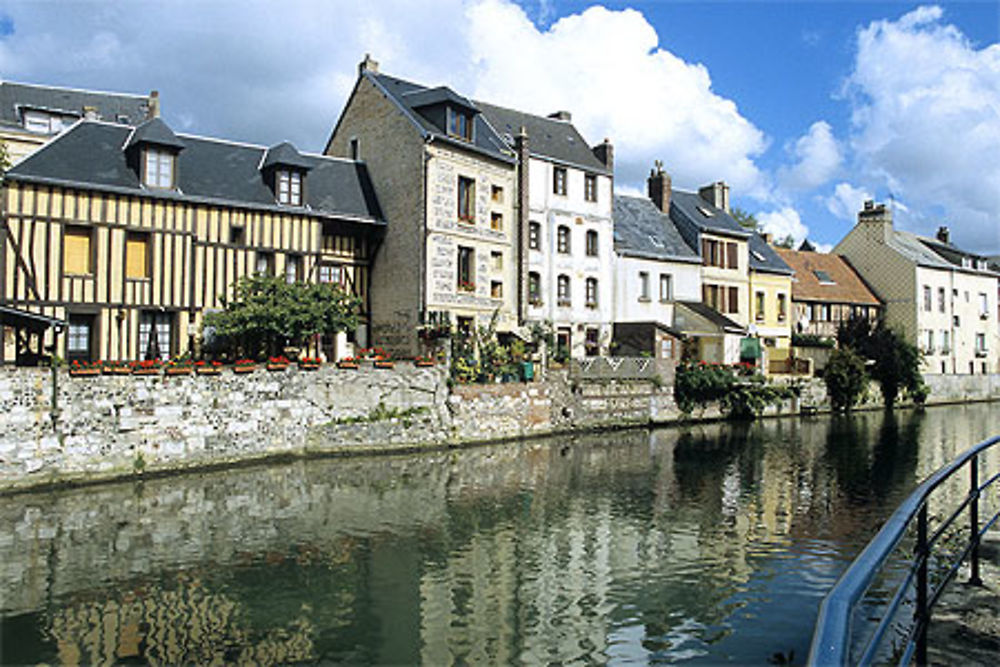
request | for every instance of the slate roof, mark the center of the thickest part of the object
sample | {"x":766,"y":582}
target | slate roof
{"x":410,"y":97}
{"x":932,"y":253}
{"x":91,"y":154}
{"x":284,"y":154}
{"x":556,"y":139}
{"x":688,"y":209}
{"x":642,"y":230}
{"x":694,"y":317}
{"x":847,"y":285}
{"x":111,"y":107}
{"x":154,"y":131}
{"x":764,"y":258}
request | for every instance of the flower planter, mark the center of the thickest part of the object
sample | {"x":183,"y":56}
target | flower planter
{"x":385,"y":364}
{"x":84,"y":372}
{"x":145,"y":371}
{"x":351,"y":365}
{"x":241,"y":370}
{"x":207,"y":370}
{"x":116,"y":370}
{"x":178,"y":370}
{"x":276,"y":367}
{"x":308,"y":367}
{"x":423,"y":364}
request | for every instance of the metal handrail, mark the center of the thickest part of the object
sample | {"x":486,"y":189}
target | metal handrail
{"x":831,"y":643}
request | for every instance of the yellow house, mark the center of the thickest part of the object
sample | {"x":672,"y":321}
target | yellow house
{"x":130,"y":234}
{"x":770,"y":303}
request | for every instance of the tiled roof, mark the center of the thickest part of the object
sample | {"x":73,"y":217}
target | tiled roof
{"x":547,"y":137}
{"x":846,"y":287}
{"x":642,"y":230}
{"x":111,"y":107}
{"x":92,"y":155}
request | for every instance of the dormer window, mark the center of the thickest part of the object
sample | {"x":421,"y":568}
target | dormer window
{"x":289,"y":187}
{"x":158,"y":168}
{"x":459,"y":124}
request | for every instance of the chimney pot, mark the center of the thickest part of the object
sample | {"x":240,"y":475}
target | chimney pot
{"x":90,"y":113}
{"x":153,"y":105}
{"x":605,"y":152}
{"x":944,"y":234}
{"x":659,"y":187}
{"x":561,"y":115}
{"x":368,"y":65}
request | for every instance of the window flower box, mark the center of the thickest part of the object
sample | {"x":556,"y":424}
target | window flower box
{"x":208,"y":367}
{"x":146,"y":367}
{"x":466,"y":286}
{"x":309,"y":363}
{"x":423,"y":362}
{"x":277,"y":363}
{"x":384,"y":363}
{"x":244,"y":366}
{"x":349,"y":363}
{"x":179,"y":367}
{"x":85,"y":368}
{"x":116,"y":368}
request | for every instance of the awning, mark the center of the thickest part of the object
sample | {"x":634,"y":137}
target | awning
{"x":750,"y":349}
{"x":23,"y":319}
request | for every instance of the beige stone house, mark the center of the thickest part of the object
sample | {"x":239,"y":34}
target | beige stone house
{"x":448,"y":182}
{"x":942,"y":298}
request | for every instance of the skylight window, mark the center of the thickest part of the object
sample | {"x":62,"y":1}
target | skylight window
{"x":824,"y":278}
{"x":705,"y":212}
{"x":655,"y":241}
{"x":758,"y":256}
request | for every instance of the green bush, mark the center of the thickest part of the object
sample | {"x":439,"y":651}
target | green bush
{"x":845,"y":378}
{"x":741,"y":391}
{"x":697,"y":385}
{"x":811,"y":340}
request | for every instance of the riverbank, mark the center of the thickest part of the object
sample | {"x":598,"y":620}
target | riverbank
{"x":110,"y":427}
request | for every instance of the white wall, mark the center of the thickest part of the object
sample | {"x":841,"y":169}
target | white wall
{"x":628,"y":305}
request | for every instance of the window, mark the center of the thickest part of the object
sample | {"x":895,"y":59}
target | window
{"x":534,"y":236}
{"x":264,"y":264}
{"x":289,"y":187}
{"x":562,"y":239}
{"x":293,"y":269}
{"x":237,"y":235}
{"x":564,"y":340}
{"x":590,"y":187}
{"x":734,"y":300}
{"x":562,"y":291}
{"x":822,"y":312}
{"x":929,"y":342}
{"x":940,"y":299}
{"x":330,"y":273}
{"x":496,"y":259}
{"x":822,"y":276}
{"x":466,"y":199}
{"x":980,"y":345}
{"x":137,"y":255}
{"x":732,"y":256}
{"x":592,"y":243}
{"x":984,"y":306}
{"x":666,"y":287}
{"x":559,"y":181}
{"x":459,"y":124}
{"x":496,"y":221}
{"x":591,"y":298}
{"x":945,"y":347}
{"x":77,"y":256}
{"x":466,"y":278}
{"x":759,"y":306}
{"x":496,"y":289}
{"x":782,"y":307}
{"x":719,"y":254}
{"x":711,"y":296}
{"x":79,"y":337}
{"x":534,"y":288}
{"x":643,"y":286}
{"x":927,"y":297}
{"x":496,"y":194}
{"x":591,"y":345}
{"x":37,"y":121}
{"x":158,"y":171}
{"x":155,"y":329}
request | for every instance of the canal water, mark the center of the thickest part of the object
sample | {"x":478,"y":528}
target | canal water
{"x":713,"y":543}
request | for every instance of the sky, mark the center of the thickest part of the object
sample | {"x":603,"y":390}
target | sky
{"x":806,"y":109}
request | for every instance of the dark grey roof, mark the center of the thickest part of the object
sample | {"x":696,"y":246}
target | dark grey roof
{"x":430,"y":96}
{"x":111,"y":107}
{"x":691,"y":317}
{"x":91,"y":155}
{"x":404,"y":93}
{"x":155,"y":131}
{"x":16,"y":317}
{"x":806,"y":246}
{"x":763,"y":258}
{"x":955,"y":255}
{"x":642,"y":230}
{"x":688,"y":210}
{"x":547,"y":137}
{"x":286,"y":155}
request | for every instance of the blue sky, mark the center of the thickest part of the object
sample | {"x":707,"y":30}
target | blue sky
{"x":804,"y":108}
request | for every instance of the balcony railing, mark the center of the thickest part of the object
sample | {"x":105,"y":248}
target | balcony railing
{"x":922,"y":581}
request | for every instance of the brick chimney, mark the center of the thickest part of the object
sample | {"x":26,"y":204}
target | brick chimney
{"x":605,"y":152}
{"x":944,"y":235}
{"x":153,"y":105}
{"x":658,"y":186}
{"x":561,"y":115}
{"x":716,"y":194}
{"x":876,"y":216}
{"x":368,"y":65}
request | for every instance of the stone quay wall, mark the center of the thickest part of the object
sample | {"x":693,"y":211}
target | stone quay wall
{"x":108,"y":427}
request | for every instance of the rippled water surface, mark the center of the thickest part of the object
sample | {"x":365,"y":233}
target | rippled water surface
{"x":710,"y":544}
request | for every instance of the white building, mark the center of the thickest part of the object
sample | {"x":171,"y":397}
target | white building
{"x":564,"y":208}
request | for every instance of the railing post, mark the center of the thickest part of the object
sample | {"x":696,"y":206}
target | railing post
{"x":974,"y":520}
{"x":920,"y":613}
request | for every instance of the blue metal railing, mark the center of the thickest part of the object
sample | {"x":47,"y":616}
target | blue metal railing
{"x":832,"y":639}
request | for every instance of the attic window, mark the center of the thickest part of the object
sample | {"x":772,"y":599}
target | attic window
{"x":158,"y":168}
{"x":289,"y":187}
{"x":705,"y":212}
{"x":758,"y":256}
{"x":459,"y":124}
{"x":824,"y":278}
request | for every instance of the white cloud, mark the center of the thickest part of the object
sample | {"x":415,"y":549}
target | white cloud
{"x":782,"y":223}
{"x":926,"y":122}
{"x":818,"y":156}
{"x":846,"y":201}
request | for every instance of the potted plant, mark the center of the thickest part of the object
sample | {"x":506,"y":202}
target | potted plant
{"x":203,"y":367}
{"x":116,"y":368}
{"x":348,"y":362}
{"x":80,"y":368}
{"x":309,"y":363}
{"x":243,"y":366}
{"x":179,"y":367}
{"x":146,"y":367}
{"x":278,"y":363}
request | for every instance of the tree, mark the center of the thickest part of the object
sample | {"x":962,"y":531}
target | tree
{"x":269,"y":313}
{"x":896,"y":361}
{"x":787,"y":242}
{"x":746,"y":220}
{"x":4,"y":158}
{"x":845,"y":379}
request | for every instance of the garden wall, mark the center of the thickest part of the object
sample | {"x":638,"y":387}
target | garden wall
{"x":109,"y":426}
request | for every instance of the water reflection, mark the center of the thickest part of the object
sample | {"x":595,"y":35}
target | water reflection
{"x":709,"y":543}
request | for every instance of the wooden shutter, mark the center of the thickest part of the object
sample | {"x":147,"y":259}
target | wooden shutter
{"x":733,"y":257}
{"x":76,"y":250}
{"x":734,"y":300}
{"x":137,"y":255}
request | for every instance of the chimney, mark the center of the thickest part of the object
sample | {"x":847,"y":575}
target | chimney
{"x":944,"y":235}
{"x":716,"y":194}
{"x":605,"y":152}
{"x":767,"y":237}
{"x":659,"y":187}
{"x":153,"y":110}
{"x":90,"y":113}
{"x":876,"y":216}
{"x":561,"y":115}
{"x":368,"y":65}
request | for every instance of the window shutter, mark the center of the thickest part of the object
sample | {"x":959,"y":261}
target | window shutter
{"x":136,"y":254}
{"x":734,"y":300}
{"x":76,"y":250}
{"x":734,"y":262}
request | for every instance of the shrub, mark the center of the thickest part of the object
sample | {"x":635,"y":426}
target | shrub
{"x":845,"y":379}
{"x":697,"y":385}
{"x":811,"y":340}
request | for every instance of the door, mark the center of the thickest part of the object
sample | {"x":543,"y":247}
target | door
{"x":155,"y":335}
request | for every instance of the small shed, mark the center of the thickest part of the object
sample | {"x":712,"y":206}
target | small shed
{"x":28,"y":331}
